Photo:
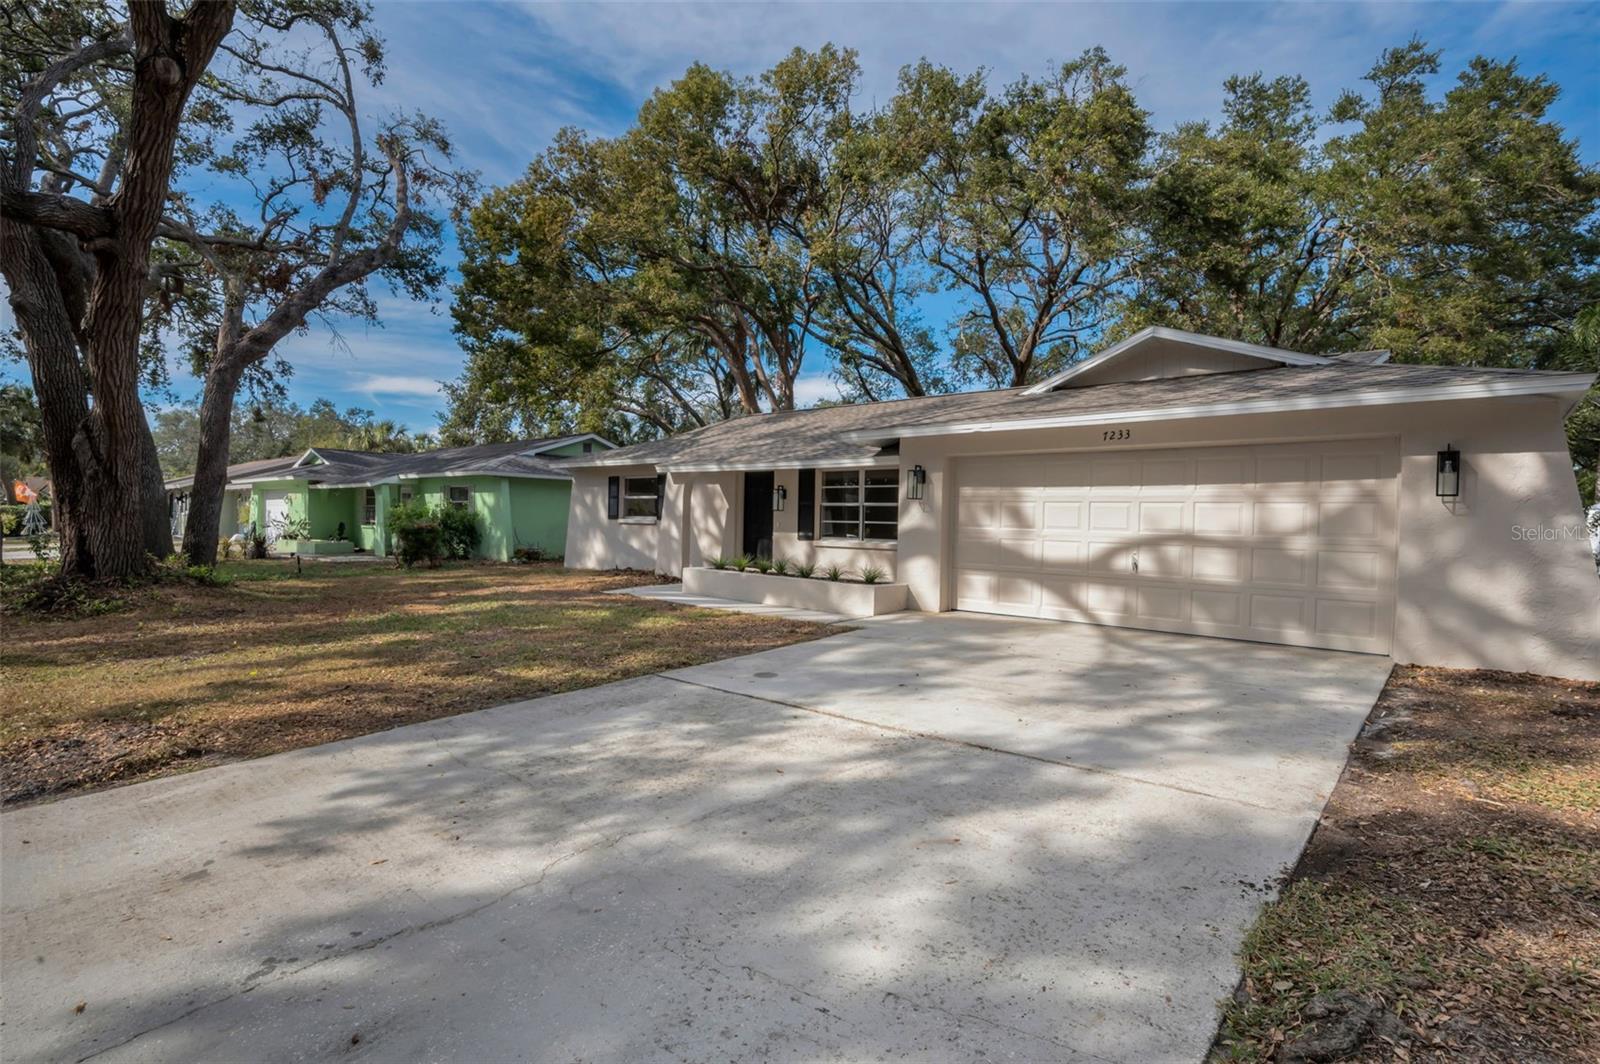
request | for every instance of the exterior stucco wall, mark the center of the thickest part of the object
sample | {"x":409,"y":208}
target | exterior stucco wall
{"x":539,"y":514}
{"x":1473,"y":592}
{"x":596,"y":542}
{"x":294,"y":490}
{"x":1499,"y":578}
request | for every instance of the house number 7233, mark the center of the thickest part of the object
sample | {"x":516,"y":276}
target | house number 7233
{"x":1117,"y":434}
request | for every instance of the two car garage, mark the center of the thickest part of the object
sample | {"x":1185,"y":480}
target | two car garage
{"x":1278,"y":543}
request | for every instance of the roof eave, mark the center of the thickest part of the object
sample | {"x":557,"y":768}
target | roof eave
{"x":1565,"y":385}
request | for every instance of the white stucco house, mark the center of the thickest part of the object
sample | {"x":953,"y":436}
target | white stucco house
{"x":1173,"y":481}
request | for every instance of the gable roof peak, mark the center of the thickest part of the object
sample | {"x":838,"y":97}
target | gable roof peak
{"x":1162,"y":334}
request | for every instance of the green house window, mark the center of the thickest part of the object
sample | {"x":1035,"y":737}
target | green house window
{"x":369,"y":508}
{"x":460,"y":496}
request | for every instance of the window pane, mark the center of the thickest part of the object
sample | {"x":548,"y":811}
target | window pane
{"x":883,"y":494}
{"x":637,"y":507}
{"x":840,"y":530}
{"x":890,"y":477}
{"x":875,"y":512}
{"x":849,"y":493}
{"x":832,"y":477}
{"x":841,"y":513}
{"x":640,"y":486}
{"x":882,"y":532}
{"x":460,"y":496}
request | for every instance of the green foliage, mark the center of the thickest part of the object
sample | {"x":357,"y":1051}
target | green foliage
{"x":293,"y":527}
{"x":533,"y":554}
{"x":833,"y":572}
{"x":271,"y":427}
{"x":780,"y":567}
{"x":872,"y":574}
{"x":719,"y":562}
{"x":418,"y":534}
{"x":742,"y":562}
{"x":761,"y":565}
{"x":636,"y":282}
{"x":804,"y":569}
{"x":1456,"y":227}
{"x":460,"y":529}
{"x":11,"y":516}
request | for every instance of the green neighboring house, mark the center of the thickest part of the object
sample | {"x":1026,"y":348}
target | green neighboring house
{"x":520,"y":492}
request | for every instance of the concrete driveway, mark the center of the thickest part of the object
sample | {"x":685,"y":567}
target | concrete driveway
{"x":929,"y":838}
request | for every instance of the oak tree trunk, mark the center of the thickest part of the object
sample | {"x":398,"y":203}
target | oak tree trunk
{"x":211,"y":469}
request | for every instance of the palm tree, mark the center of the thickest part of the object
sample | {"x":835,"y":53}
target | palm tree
{"x":385,"y":437}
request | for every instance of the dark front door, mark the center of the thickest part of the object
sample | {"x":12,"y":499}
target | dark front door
{"x":758,"y":514}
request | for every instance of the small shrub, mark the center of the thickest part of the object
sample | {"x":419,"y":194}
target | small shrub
{"x":804,"y":569}
{"x":460,"y":529}
{"x":871,"y":574}
{"x":224,"y":548}
{"x":833,"y":572}
{"x":762,"y":565}
{"x":534,"y":553}
{"x":255,"y":543}
{"x":742,"y":562}
{"x":719,"y":562}
{"x":293,"y":527}
{"x":418,"y":536}
{"x":780,"y":567}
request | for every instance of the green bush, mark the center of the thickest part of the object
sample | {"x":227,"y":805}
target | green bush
{"x":833,"y":572}
{"x":804,"y":569}
{"x":742,"y":562}
{"x":762,"y":565}
{"x":719,"y":562}
{"x":418,"y":534}
{"x":11,"y":517}
{"x":460,"y":529}
{"x":780,"y":567}
{"x":873,"y":575}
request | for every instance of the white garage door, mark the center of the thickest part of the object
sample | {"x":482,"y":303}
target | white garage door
{"x":1283,"y":544}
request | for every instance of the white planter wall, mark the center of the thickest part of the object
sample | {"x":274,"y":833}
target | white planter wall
{"x":825,"y":596}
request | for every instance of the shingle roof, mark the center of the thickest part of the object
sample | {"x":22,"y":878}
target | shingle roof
{"x":342,"y":467}
{"x":841,"y":434}
{"x":254,"y":468}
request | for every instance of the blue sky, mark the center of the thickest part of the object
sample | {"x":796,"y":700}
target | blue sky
{"x":505,"y":77}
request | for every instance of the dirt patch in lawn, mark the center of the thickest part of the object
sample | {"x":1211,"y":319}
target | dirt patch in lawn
{"x":1448,"y":905}
{"x":183,"y":676}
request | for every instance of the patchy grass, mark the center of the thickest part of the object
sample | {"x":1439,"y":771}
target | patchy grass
{"x":183,"y":674}
{"x":1452,"y":886}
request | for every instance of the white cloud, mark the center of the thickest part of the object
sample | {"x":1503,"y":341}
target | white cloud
{"x":811,"y":390}
{"x":389,"y":384}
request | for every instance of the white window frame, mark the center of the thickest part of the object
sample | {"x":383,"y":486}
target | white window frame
{"x":450,"y":496}
{"x":842,"y":494}
{"x":639,"y":505}
{"x":369,"y":507}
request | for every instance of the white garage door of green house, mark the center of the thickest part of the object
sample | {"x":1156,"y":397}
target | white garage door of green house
{"x":1282,"y":543}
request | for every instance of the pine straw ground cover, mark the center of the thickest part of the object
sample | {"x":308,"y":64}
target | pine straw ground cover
{"x":183,"y":676}
{"x":1448,"y":906}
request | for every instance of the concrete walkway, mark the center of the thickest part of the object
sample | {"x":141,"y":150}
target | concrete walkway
{"x":930,"y":838}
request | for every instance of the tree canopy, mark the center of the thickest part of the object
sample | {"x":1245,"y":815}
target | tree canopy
{"x":742,"y":228}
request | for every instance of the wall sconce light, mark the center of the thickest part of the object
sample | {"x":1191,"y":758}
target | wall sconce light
{"x":1447,"y":480}
{"x":779,"y":495}
{"x":917,"y":484}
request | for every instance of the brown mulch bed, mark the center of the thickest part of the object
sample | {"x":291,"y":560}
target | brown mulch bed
{"x":181,"y":676}
{"x":1447,"y":907}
